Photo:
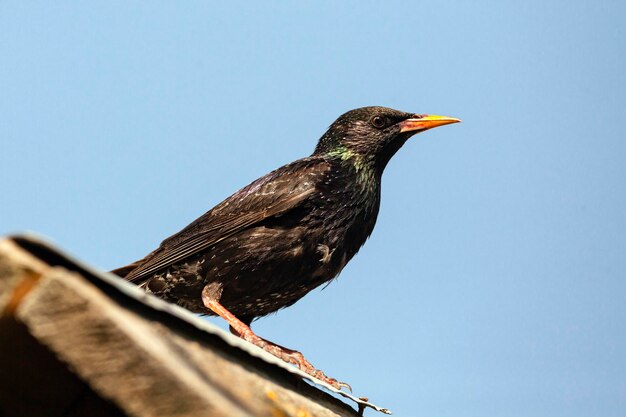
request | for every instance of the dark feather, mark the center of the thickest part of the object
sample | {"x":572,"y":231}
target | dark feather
{"x":282,"y":190}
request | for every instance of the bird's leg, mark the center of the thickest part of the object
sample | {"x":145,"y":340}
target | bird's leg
{"x":241,"y":329}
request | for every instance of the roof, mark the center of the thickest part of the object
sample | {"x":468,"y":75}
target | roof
{"x":76,"y":337}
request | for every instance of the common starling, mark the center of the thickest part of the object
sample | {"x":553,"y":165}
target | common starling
{"x":288,"y":232}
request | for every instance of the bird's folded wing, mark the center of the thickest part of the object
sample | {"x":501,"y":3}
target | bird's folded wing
{"x":269,"y":196}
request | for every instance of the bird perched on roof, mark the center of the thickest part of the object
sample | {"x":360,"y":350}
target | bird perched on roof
{"x":288,"y":232}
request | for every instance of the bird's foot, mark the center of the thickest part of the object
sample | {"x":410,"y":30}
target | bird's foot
{"x":292,"y":356}
{"x":244,"y":331}
{"x":298,"y":359}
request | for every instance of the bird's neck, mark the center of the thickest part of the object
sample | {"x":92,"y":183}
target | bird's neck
{"x":367,"y":175}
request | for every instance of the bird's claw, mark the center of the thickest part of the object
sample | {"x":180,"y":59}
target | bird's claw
{"x":298,"y":359}
{"x":344,"y":385}
{"x":330,"y":381}
{"x":290,"y":356}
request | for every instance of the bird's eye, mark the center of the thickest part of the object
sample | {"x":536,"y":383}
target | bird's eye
{"x":378,"y":122}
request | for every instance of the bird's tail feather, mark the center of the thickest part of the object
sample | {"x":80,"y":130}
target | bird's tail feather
{"x":125,"y":270}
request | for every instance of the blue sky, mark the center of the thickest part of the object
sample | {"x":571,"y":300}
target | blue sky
{"x":494,"y":282}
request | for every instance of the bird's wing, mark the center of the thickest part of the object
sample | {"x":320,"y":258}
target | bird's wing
{"x":272,"y":195}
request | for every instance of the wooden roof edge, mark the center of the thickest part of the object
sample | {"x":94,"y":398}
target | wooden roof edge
{"x":171,"y":317}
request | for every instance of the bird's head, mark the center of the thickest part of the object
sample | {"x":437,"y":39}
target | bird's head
{"x":372,"y":135}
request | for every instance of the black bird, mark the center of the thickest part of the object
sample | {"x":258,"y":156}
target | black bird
{"x":273,"y":241}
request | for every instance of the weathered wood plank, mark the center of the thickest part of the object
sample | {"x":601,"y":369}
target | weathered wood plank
{"x":144,"y":366}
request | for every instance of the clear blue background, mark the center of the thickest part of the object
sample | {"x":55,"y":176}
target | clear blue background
{"x":494,"y":283}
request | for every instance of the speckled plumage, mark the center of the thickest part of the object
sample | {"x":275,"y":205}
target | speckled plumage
{"x":273,"y":241}
{"x":284,"y":254}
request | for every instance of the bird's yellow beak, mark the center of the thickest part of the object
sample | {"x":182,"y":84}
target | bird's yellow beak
{"x":425,"y":121}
